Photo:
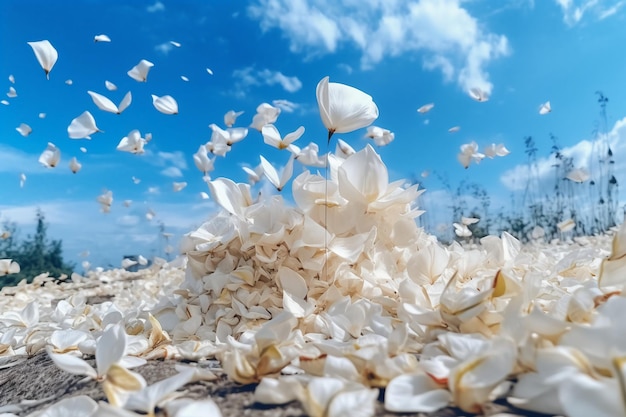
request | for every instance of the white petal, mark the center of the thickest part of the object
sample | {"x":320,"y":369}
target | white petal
{"x":292,"y":282}
{"x":545,"y":108}
{"x":101,"y":38}
{"x":24,"y":129}
{"x":148,"y":398}
{"x":78,"y":406}
{"x":202,"y":408}
{"x":82,"y":126}
{"x":46,"y":55}
{"x":128,"y":98}
{"x":270,"y":172}
{"x":110,"y":86}
{"x":176,"y":44}
{"x":140,"y":71}
{"x":354,"y":403}
{"x":210,"y":71}
{"x":165,"y":104}
{"x":103,"y":103}
{"x":75,"y":166}
{"x":415,"y":393}
{"x":363,"y":176}
{"x":426,"y":108}
{"x":110,"y":348}
{"x":277,"y":391}
{"x":344,"y":108}
{"x":51,"y":156}
{"x":72,"y":364}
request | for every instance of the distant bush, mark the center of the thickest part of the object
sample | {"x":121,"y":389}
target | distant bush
{"x":35,"y":254}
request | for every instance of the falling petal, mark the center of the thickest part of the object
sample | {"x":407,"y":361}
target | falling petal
{"x":12,"y":79}
{"x":22,"y":179}
{"x":454,"y":129}
{"x":46,"y":55}
{"x":12,"y":92}
{"x":176,"y":44}
{"x":110,"y":86}
{"x":178,"y":186}
{"x":69,"y":82}
{"x":165,"y":104}
{"x":51,"y":156}
{"x":545,"y":108}
{"x":42,"y":115}
{"x":82,"y":126}
{"x":5,"y":102}
{"x":102,"y":102}
{"x":344,"y":108}
{"x":24,"y":129}
{"x":426,"y":108}
{"x":182,"y":77}
{"x":210,"y":71}
{"x":83,"y":149}
{"x":231,"y":117}
{"x":75,"y":166}
{"x":140,"y":71}
{"x":101,"y":38}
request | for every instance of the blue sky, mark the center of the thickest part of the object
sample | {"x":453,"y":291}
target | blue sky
{"x":403,"y":53}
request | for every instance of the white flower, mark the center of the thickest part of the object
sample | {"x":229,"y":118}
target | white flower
{"x":344,"y":108}
{"x":46,"y":55}
{"x":110,"y":349}
{"x":132,"y":143}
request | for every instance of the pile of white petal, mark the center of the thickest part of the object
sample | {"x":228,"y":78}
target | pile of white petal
{"x":332,"y":300}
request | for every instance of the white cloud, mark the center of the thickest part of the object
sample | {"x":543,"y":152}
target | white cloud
{"x":575,"y":10}
{"x":172,"y":172}
{"x":285,"y":105}
{"x":164,"y":48}
{"x":156,"y":7}
{"x":582,"y":154}
{"x":447,"y":35}
{"x":249,"y":77}
{"x":176,"y":158}
{"x":108,"y":237}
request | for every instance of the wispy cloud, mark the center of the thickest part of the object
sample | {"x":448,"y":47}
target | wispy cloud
{"x":574,"y":11}
{"x":172,"y":172}
{"x":164,"y":48}
{"x":156,"y":7}
{"x":450,"y":38}
{"x":250,"y":77}
{"x":286,"y":105}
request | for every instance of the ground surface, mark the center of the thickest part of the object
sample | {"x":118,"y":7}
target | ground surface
{"x":34,"y":383}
